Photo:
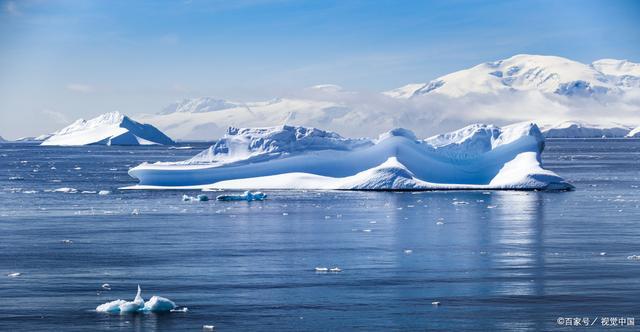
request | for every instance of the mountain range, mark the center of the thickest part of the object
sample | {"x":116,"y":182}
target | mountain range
{"x":548,"y":90}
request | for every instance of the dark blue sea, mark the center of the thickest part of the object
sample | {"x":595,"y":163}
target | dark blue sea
{"x":522,"y":261}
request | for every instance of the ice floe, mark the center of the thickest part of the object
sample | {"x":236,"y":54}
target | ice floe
{"x":155,"y":304}
{"x":286,"y":157}
{"x":66,"y":190}
{"x":246,"y":196}
{"x":198,"y":198}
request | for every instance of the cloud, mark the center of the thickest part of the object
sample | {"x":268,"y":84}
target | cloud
{"x":12,"y":8}
{"x":81,"y":88}
{"x":58,"y":117}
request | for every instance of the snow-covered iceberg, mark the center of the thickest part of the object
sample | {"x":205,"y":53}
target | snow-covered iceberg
{"x":111,"y":128}
{"x":634,"y":133}
{"x":286,"y":157}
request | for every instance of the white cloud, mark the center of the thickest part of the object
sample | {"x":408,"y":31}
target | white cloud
{"x":81,"y":88}
{"x":58,"y":117}
{"x":12,"y":8}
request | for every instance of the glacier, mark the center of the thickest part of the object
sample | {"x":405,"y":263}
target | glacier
{"x":111,"y":128}
{"x":293,"y":157}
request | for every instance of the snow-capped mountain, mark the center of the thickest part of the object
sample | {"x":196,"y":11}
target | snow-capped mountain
{"x":578,"y":129}
{"x":546,"y":74}
{"x":2,"y":140}
{"x":111,"y":128}
{"x":543,"y":89}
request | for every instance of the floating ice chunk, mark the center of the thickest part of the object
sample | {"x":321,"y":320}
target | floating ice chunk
{"x":159,"y":304}
{"x":408,"y":251}
{"x":198,"y":198}
{"x":104,"y":192}
{"x":106,"y":286}
{"x":491,"y":206}
{"x":135,"y":212}
{"x":634,"y":257}
{"x":16,"y":178}
{"x":603,"y":253}
{"x":208,"y":327}
{"x":335,"y":269}
{"x":77,"y":168}
{"x":246,"y":196}
{"x":321,"y":269}
{"x":14,"y":274}
{"x":29,"y":191}
{"x":285,"y":214}
{"x":183,"y":309}
{"x":460,"y":203}
{"x":67,"y":241}
{"x":88,"y":192}
{"x":66,"y":190}
{"x":435,"y":303}
{"x":112,"y":307}
{"x":133,"y":306}
{"x":366,"y":230}
{"x":439,"y":223}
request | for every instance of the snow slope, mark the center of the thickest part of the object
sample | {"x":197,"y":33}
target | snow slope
{"x":107,"y":129}
{"x":634,"y":133}
{"x":287,"y":157}
{"x":579,"y":129}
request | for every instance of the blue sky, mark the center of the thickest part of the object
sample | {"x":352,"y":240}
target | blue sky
{"x":60,"y":60}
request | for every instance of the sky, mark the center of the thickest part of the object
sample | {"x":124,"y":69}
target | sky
{"x":62,"y":60}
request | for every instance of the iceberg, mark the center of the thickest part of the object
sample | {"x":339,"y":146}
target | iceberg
{"x":111,"y":128}
{"x":634,"y":133}
{"x":286,"y":157}
{"x":155,"y":304}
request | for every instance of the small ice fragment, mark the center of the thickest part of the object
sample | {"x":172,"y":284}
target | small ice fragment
{"x":246,"y":196}
{"x":104,"y":192}
{"x":88,"y":192}
{"x":408,"y":251}
{"x":335,"y":269}
{"x":183,"y":309}
{"x":135,"y":212}
{"x":208,"y":327}
{"x":66,"y":190}
{"x":634,"y":257}
{"x":321,"y":269}
{"x":77,"y":168}
{"x":366,"y":230}
{"x":113,"y":169}
{"x":16,"y":178}
{"x":106,"y":286}
{"x":439,"y":223}
{"x":14,"y":274}
{"x":603,"y":253}
{"x":491,"y":206}
{"x":460,"y":203}
{"x":285,"y":214}
{"x":67,"y":241}
{"x":29,"y":191}
{"x":435,"y":303}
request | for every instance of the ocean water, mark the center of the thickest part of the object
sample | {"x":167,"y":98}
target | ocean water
{"x":493,"y":260}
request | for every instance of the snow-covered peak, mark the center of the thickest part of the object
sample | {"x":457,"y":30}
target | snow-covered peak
{"x":243,"y":143}
{"x":397,"y":132}
{"x":523,"y":72}
{"x":198,"y":105}
{"x":615,"y":67}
